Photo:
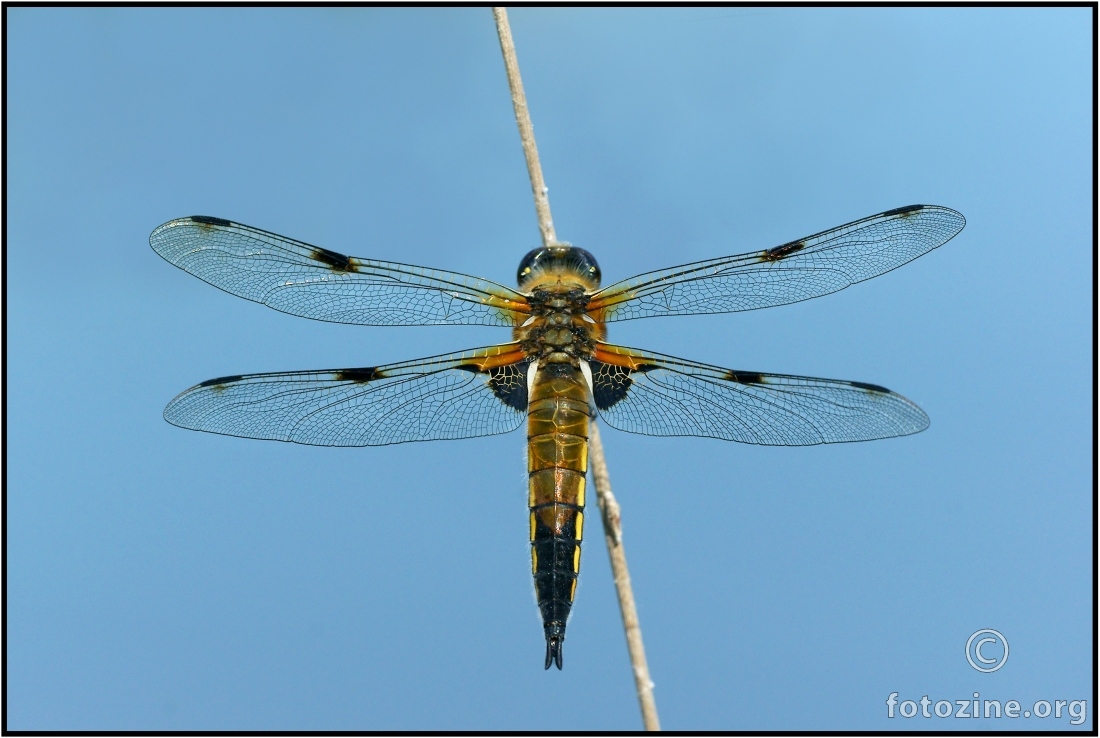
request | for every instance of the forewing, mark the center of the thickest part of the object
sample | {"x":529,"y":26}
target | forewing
{"x":657,"y":395}
{"x":476,"y":393}
{"x":799,"y":270}
{"x":300,"y":279}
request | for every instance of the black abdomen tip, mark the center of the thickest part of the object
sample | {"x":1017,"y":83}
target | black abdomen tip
{"x":555,"y":636}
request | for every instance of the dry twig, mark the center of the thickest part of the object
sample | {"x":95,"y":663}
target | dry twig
{"x":609,"y":508}
{"x":526,"y":130}
{"x":611,"y":516}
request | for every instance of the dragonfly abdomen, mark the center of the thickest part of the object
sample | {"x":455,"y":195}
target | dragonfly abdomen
{"x":557,"y":460}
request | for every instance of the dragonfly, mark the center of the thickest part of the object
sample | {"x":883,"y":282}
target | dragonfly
{"x":558,"y":373}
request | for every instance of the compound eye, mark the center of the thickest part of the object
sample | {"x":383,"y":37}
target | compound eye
{"x":589,"y":266}
{"x":527,"y":265}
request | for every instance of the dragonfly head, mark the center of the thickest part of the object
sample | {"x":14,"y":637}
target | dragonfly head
{"x":559,"y":261}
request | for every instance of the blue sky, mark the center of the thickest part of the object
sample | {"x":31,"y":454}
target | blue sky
{"x":166,"y":579}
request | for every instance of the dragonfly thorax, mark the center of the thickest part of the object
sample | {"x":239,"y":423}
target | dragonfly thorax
{"x":558,"y":330}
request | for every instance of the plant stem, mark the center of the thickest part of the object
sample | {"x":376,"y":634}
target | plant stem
{"x":611,"y":515}
{"x":526,"y":130}
{"x":610,"y":512}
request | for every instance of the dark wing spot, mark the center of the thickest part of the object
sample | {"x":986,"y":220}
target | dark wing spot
{"x":869,"y":387}
{"x":221,"y":380}
{"x":782,"y":252}
{"x":508,"y":383}
{"x":610,"y":383}
{"x":337,"y":262}
{"x":904,"y":210}
{"x":745,"y":377}
{"x":210,"y":220}
{"x":359,"y":376}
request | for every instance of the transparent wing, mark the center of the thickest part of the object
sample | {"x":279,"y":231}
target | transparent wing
{"x":810,"y":267}
{"x":306,"y":280}
{"x":476,"y":393}
{"x":657,"y":395}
